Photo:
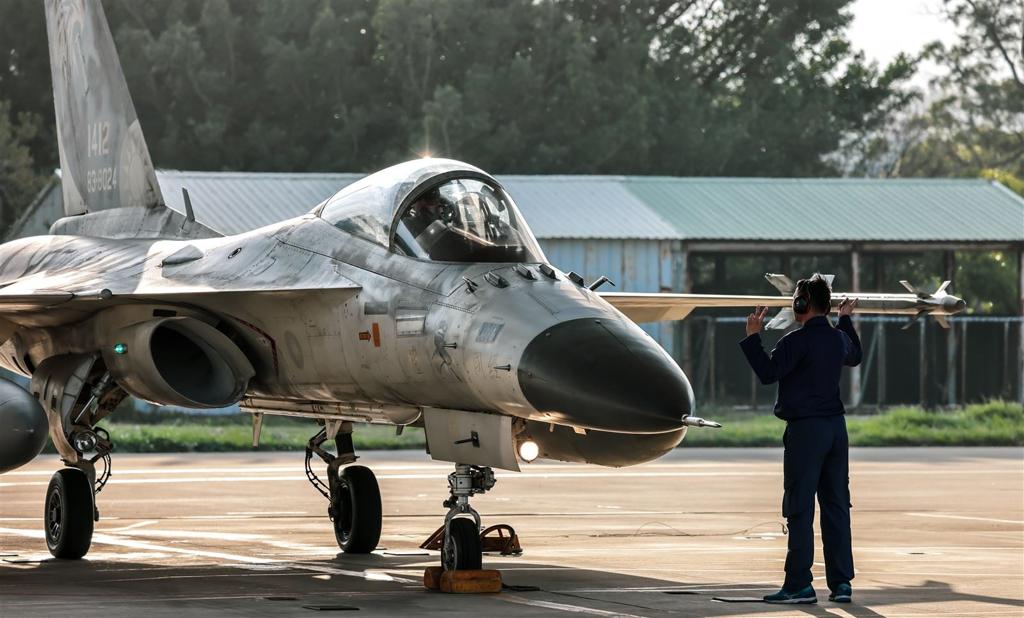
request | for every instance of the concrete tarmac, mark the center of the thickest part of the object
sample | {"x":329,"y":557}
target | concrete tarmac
{"x":936,"y":532}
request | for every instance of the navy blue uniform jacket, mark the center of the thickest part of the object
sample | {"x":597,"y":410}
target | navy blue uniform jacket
{"x":807,"y":364}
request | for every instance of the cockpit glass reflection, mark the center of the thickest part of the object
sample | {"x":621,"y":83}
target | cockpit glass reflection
{"x":465,"y":220}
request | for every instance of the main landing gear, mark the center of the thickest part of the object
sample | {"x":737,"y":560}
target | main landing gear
{"x":70,"y":509}
{"x":76,"y":393}
{"x":352,"y":492}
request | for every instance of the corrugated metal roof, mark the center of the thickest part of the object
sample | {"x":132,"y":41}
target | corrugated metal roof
{"x":235,"y":202}
{"x":585,"y":207}
{"x":834,"y":209}
{"x":640,"y":207}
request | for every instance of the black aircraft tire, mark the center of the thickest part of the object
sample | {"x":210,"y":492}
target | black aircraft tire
{"x":68,"y":514}
{"x":357,"y":511}
{"x":462,"y":550}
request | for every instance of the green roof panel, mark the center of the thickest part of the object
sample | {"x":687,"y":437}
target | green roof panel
{"x":834,"y":209}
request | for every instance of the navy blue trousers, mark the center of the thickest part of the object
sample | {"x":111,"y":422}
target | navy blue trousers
{"x":817,"y":462}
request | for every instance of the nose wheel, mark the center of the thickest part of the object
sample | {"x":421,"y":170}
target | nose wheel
{"x":462,"y":550}
{"x":459,"y":540}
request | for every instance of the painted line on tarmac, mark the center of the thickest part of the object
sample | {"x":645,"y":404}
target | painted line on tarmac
{"x":107,"y":539}
{"x":425,"y":467}
{"x":514,"y":476}
{"x":575,"y":609}
{"x":968,"y":517}
{"x":139,"y":524}
{"x":240,"y":560}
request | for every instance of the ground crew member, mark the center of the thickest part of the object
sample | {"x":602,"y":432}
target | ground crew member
{"x":807,"y":364}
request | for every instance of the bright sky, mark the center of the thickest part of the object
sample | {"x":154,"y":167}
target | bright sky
{"x":884,"y":28}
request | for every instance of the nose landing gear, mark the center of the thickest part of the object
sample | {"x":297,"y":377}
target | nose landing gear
{"x":461,"y":548}
{"x":460,"y":540}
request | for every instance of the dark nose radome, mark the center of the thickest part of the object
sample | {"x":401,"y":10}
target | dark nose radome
{"x":604,"y":374}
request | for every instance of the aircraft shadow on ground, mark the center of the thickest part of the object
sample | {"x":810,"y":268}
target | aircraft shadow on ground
{"x":290,"y":586}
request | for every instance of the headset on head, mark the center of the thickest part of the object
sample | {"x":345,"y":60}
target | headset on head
{"x":802,"y":300}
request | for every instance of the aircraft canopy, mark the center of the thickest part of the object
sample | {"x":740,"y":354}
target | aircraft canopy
{"x":435,"y":209}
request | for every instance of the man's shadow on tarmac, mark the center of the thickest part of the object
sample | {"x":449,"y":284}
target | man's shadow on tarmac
{"x":379,"y":580}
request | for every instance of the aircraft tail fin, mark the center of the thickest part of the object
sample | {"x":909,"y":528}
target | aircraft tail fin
{"x":108,"y":181}
{"x":103,"y":156}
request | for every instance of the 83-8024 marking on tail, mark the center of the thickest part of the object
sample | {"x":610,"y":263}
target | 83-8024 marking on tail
{"x":102,"y":179}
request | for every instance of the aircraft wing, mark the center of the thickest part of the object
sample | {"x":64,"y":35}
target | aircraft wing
{"x":24,"y":296}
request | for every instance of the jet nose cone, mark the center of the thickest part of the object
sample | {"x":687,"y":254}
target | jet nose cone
{"x":604,"y":374}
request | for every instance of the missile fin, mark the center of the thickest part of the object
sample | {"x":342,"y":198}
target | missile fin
{"x":942,"y":288}
{"x":913,"y":289}
{"x":941,"y":319}
{"x":782,"y":320}
{"x":916,"y":317}
{"x":782,"y":283}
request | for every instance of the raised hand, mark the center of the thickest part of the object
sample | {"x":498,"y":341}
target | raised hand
{"x":846,"y":307}
{"x":755,"y":321}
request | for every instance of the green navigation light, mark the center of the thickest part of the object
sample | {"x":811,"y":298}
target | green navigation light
{"x":120,"y":348}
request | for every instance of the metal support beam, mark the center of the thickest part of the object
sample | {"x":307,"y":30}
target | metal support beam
{"x":855,"y":376}
{"x":882,"y":370}
{"x":951,"y":336}
{"x":951,"y":371}
{"x":711,"y":360}
{"x":963,"y":362}
{"x":922,"y":363}
{"x":683,"y":282}
{"x":818,"y":248}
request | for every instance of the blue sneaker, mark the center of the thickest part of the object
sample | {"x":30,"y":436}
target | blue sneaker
{"x":802,"y":596}
{"x":842,"y":594}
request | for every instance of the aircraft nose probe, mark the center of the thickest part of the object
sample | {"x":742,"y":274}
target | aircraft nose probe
{"x":696,"y":421}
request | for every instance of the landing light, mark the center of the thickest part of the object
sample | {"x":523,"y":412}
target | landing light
{"x":528,"y":450}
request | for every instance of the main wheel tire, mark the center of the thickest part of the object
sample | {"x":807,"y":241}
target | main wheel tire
{"x":68,"y":514}
{"x":461,"y":550}
{"x":357,"y":511}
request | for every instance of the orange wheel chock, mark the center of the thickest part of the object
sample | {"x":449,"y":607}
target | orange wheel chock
{"x":432,"y":577}
{"x":484,"y":581}
{"x":502,"y":539}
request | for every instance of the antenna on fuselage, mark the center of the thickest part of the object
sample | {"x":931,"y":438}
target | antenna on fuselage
{"x":190,"y":216}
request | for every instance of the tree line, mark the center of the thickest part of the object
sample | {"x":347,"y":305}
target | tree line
{"x":674,"y":87}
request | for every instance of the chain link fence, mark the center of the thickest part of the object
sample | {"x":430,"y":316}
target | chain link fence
{"x":920,"y":363}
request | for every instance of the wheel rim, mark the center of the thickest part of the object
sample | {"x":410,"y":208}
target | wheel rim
{"x":343,"y":513}
{"x":449,"y":553}
{"x":54,"y":513}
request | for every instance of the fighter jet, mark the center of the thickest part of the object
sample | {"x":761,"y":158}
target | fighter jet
{"x":415,"y":297}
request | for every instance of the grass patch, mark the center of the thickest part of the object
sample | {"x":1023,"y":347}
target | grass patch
{"x":995,"y":423}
